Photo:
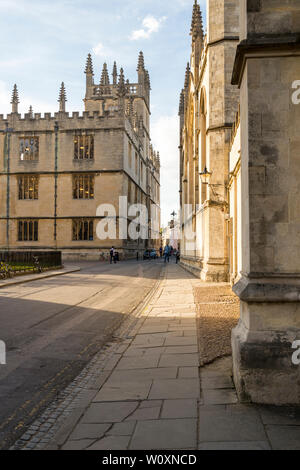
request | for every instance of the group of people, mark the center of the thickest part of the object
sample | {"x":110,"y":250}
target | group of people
{"x":167,"y":252}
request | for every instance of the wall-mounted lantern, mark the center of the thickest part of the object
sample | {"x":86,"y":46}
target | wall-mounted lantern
{"x":205,"y":176}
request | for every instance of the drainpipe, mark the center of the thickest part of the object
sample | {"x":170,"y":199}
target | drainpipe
{"x":56,"y":128}
{"x":7,"y":132}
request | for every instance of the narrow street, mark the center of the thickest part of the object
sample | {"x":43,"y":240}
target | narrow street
{"x":150,"y":387}
{"x":53,"y":327}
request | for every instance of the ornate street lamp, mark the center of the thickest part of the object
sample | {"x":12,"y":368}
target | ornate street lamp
{"x":205,"y":176}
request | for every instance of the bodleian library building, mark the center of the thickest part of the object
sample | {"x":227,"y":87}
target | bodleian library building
{"x":55,"y":171}
{"x":240,"y":180}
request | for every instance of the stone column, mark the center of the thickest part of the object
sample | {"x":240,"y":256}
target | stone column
{"x":267,"y":68}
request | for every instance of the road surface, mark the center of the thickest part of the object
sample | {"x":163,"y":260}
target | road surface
{"x":53,"y":327}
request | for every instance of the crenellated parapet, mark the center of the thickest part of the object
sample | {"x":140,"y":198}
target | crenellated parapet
{"x":37,"y":122}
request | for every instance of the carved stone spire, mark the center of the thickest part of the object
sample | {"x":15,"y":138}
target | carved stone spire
{"x":104,"y":77}
{"x":121,"y":84}
{"x":89,"y":65}
{"x":30,"y":112}
{"x":141,"y":62}
{"x":62,"y":98}
{"x":141,"y":75}
{"x":115,"y":74}
{"x":187,"y":76}
{"x":89,"y":72}
{"x":158,"y":160}
{"x":181,"y":103}
{"x":15,"y":99}
{"x":194,"y":16}
{"x":197,"y":23}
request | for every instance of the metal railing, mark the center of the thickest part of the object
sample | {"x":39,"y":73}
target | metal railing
{"x":17,"y":262}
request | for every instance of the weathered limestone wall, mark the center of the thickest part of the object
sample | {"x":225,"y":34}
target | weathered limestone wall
{"x":269,"y":17}
{"x":223,"y":98}
{"x":266,"y":67}
{"x":214,"y":102}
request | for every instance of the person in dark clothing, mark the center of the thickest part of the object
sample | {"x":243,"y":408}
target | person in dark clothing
{"x":167,"y":253}
{"x":112,"y":254}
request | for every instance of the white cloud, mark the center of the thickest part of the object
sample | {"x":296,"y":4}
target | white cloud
{"x":150,"y":25}
{"x":165,"y":135}
{"x":100,"y":50}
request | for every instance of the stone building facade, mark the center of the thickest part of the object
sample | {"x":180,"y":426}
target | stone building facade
{"x":208,"y":105}
{"x":266,"y":342}
{"x":55,"y":171}
{"x":239,"y":167}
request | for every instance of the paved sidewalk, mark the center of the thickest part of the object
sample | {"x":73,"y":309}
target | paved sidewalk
{"x":151,"y":398}
{"x":152,"y":394}
{"x":155,"y":397}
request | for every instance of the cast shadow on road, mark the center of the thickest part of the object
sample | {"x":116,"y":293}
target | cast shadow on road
{"x":47,"y":345}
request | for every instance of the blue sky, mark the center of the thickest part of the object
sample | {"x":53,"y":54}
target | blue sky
{"x":46,"y":42}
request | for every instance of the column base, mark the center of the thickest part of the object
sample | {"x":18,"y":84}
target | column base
{"x":262,"y":344}
{"x":206,"y":271}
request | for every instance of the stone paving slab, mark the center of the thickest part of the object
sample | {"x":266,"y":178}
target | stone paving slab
{"x":173,"y":360}
{"x":144,"y":374}
{"x":284,"y":437}
{"x":165,"y":434}
{"x":175,"y":388}
{"x":188,"y":372}
{"x":89,"y":431}
{"x":145,"y":362}
{"x":219,"y":396}
{"x":181,"y":341}
{"x":184,"y":408}
{"x":111,"y":443}
{"x":113,"y":391}
{"x":122,"y":429}
{"x":145,"y":413}
{"x":78,"y":445}
{"x":281,"y":415}
{"x":227,"y":426}
{"x":212,"y":383}
{"x":142,"y":352}
{"x":113,"y":412}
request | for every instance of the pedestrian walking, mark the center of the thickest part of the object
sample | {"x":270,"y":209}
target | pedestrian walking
{"x":112,"y":254}
{"x":161,"y":251}
{"x":167,"y":253}
{"x":177,"y":256}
